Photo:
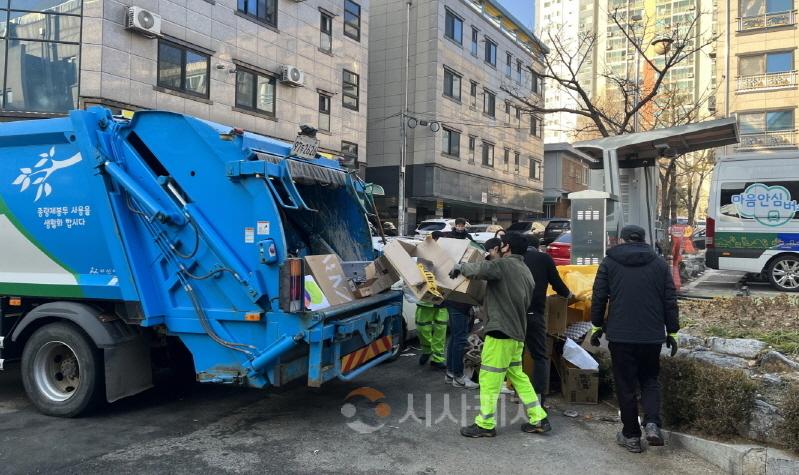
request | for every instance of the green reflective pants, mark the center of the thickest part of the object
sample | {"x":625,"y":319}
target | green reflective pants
{"x":431,"y":327}
{"x":501,"y":357}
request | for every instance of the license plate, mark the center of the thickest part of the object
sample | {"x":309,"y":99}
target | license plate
{"x":364,"y":354}
{"x":305,"y":147}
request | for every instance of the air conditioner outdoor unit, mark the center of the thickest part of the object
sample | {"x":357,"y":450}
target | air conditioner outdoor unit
{"x":292,"y":75}
{"x":143,"y":21}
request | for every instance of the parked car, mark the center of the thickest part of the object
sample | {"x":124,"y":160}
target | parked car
{"x":528,"y":229}
{"x":561,"y":249}
{"x":483,"y":232}
{"x":554,"y":229}
{"x":428,"y":226}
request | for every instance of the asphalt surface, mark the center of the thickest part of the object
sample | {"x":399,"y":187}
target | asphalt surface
{"x":217,"y":429}
{"x":717,"y":283}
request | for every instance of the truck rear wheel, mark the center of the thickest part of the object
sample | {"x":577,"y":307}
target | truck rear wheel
{"x":62,"y":370}
{"x":784,"y":273}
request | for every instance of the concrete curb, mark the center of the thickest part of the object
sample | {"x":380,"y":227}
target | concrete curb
{"x":736,"y":459}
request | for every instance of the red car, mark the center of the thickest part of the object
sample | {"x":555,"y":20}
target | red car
{"x":561,"y":250}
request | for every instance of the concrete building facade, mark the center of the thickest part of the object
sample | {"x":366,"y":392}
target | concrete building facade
{"x":756,"y":69}
{"x":473,"y":147}
{"x":219,"y":60}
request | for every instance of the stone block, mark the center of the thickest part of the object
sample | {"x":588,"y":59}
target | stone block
{"x":740,"y":347}
{"x":776,"y":362}
{"x":717,"y":359}
{"x":764,"y":422}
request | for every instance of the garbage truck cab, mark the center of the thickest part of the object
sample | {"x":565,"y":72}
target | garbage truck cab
{"x":123,"y":240}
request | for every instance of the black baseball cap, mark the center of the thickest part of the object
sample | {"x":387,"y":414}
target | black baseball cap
{"x":633,"y":232}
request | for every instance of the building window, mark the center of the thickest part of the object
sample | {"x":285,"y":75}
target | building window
{"x":349,"y":151}
{"x":519,"y":72}
{"x":475,"y":32}
{"x":453,"y":27}
{"x":516,"y":159}
{"x":452,"y":84}
{"x":508,"y":64}
{"x":766,"y":63}
{"x":40,"y":56}
{"x":536,"y":83}
{"x":767,"y":129}
{"x":326,"y":32}
{"x":754,"y":8}
{"x":506,"y":160}
{"x":472,"y":143}
{"x":473,"y":94}
{"x":488,"y":154}
{"x":586,"y":175}
{"x":261,"y":10}
{"x":352,"y":20}
{"x":324,"y":112}
{"x":536,"y":126}
{"x":535,"y":169}
{"x":519,"y":117}
{"x":489,"y":103}
{"x":507,"y":112}
{"x":255,"y":91}
{"x":182,"y":69}
{"x":451,"y":144}
{"x":491,"y":53}
{"x":349,"y":98}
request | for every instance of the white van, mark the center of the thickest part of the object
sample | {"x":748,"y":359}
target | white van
{"x":753,"y":218}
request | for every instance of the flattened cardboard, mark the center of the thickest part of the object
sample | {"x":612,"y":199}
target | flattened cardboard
{"x":400,"y":256}
{"x":467,"y":291}
{"x":327,"y":271}
{"x":380,"y":276}
{"x":579,"y":386}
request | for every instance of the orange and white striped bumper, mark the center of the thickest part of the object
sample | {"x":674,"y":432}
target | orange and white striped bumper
{"x":362,"y":355}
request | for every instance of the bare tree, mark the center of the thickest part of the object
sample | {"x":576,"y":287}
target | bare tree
{"x":692,"y":173}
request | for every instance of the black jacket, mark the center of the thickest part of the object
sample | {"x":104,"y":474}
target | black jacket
{"x":456,"y":235}
{"x":545,"y":274}
{"x":643,"y":300}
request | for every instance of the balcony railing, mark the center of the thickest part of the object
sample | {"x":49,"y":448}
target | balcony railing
{"x":767,"y":81}
{"x":768,"y":20}
{"x":779,"y":139}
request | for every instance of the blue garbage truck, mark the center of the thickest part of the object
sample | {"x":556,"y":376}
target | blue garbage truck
{"x":127,"y":245}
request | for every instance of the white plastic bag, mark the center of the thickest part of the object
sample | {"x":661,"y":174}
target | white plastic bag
{"x":577,"y":356}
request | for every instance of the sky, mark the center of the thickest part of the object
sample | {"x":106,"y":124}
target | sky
{"x":521,"y":9}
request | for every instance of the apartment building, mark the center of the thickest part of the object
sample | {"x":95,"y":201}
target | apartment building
{"x":266,"y":66}
{"x":566,"y":170}
{"x":474,"y":149}
{"x":756,"y":69}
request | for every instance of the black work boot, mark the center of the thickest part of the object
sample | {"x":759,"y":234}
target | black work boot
{"x":541,"y":427}
{"x":474,"y":431}
{"x":653,"y":435}
{"x":438,"y":365}
{"x":632,"y":444}
{"x":424,"y":359}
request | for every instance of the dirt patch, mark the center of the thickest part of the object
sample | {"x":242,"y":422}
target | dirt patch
{"x":774,"y":320}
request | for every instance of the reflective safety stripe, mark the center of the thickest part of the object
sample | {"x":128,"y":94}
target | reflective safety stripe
{"x":492,"y":369}
{"x":423,"y":324}
{"x":440,"y":322}
{"x":485,"y":418}
{"x":516,"y":363}
{"x":533,"y":404}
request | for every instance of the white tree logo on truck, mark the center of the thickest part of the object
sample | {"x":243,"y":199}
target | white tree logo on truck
{"x":39,"y":174}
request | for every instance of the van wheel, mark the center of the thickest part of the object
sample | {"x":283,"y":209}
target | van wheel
{"x":784,"y":274}
{"x":62,"y":370}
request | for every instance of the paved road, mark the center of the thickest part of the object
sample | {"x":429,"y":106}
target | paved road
{"x":717,"y":283}
{"x":214,"y":429}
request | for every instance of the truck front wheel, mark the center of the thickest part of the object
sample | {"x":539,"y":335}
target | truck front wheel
{"x":62,"y":370}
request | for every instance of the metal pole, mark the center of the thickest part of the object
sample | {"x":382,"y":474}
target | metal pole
{"x":401,"y":218}
{"x":637,"y":90}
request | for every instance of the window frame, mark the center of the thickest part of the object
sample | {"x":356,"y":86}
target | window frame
{"x":536,"y":126}
{"x":506,"y":159}
{"x":183,"y":58}
{"x":474,"y":48}
{"x":455,"y":17}
{"x":518,"y":71}
{"x":346,"y":155}
{"x":517,"y":158}
{"x":493,"y":60}
{"x":322,"y":33}
{"x":344,"y":94}
{"x":765,"y":114}
{"x":508,"y":65}
{"x":256,"y":17}
{"x":254,"y":106}
{"x":356,"y":37}
{"x":452,"y":75}
{"x":325,"y":98}
{"x":473,"y":94}
{"x":472,"y":147}
{"x":535,"y":169}
{"x":486,"y":94}
{"x":451,"y":140}
{"x":485,"y":155}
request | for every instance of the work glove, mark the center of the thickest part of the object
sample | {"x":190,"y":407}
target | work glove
{"x":596,"y":334}
{"x":671,"y":342}
{"x":455,"y":272}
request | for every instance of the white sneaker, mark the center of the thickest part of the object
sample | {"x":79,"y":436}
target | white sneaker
{"x":464,"y":383}
{"x":448,"y":378}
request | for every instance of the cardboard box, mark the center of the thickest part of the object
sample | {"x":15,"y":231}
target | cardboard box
{"x":579,"y":386}
{"x":380,"y":276}
{"x":326,"y":270}
{"x":560,"y":315}
{"x":403,"y":258}
{"x":470,"y":291}
{"x":529,"y":367}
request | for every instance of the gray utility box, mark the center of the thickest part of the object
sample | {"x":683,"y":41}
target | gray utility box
{"x":594,"y":226}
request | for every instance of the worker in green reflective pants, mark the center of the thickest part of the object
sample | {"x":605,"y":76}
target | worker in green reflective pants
{"x":431,"y":328}
{"x":509,"y":291}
